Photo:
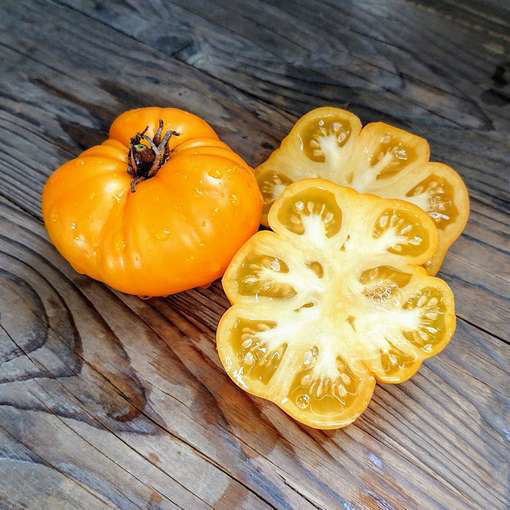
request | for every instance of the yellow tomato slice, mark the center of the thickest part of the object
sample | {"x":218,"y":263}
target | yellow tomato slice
{"x":329,"y":143}
{"x":331,"y":301}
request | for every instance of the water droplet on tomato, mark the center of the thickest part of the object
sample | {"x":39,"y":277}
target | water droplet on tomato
{"x":234,"y":199}
{"x":120,"y":245}
{"x":303,"y":401}
{"x":73,"y":226}
{"x":215,"y":173}
{"x":164,"y":234}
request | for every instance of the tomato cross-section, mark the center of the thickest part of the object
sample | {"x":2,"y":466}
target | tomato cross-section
{"x":331,"y":300}
{"x":329,"y":143}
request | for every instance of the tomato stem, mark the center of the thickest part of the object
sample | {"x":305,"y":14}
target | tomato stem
{"x":145,"y":159}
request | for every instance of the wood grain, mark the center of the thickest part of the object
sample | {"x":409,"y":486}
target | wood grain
{"x":110,"y":401}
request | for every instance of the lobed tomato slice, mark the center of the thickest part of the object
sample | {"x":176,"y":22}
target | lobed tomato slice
{"x":381,"y":159}
{"x":331,"y":300}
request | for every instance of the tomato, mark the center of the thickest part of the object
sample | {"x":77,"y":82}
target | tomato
{"x":330,"y":301}
{"x":161,"y":206}
{"x":381,"y":159}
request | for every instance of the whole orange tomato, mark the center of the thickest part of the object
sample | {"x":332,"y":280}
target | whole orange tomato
{"x":160,"y":207}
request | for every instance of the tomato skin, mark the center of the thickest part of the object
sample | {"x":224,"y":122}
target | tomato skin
{"x":178,"y":230}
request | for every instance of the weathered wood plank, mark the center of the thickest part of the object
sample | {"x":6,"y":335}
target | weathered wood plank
{"x":110,"y":401}
{"x":31,"y":483}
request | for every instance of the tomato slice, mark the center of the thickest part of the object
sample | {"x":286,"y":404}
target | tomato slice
{"x":331,"y":300}
{"x":381,"y":159}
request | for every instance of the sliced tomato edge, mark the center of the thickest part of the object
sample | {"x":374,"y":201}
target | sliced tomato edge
{"x":449,"y":236}
{"x":223,"y":348}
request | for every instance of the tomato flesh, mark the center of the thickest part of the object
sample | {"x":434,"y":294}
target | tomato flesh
{"x":331,"y":301}
{"x":329,"y":143}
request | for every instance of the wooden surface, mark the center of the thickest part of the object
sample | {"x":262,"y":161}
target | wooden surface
{"x":109,"y":401}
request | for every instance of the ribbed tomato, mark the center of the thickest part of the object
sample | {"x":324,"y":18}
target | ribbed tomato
{"x":390,"y":162}
{"x":161,"y":206}
{"x":331,"y":301}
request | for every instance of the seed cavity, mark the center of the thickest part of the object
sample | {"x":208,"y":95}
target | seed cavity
{"x":258,"y":276}
{"x":436,"y":196}
{"x":324,"y":135}
{"x":317,"y":268}
{"x":314,"y":211}
{"x":272,"y":184}
{"x":429,"y":303}
{"x":402,"y":232}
